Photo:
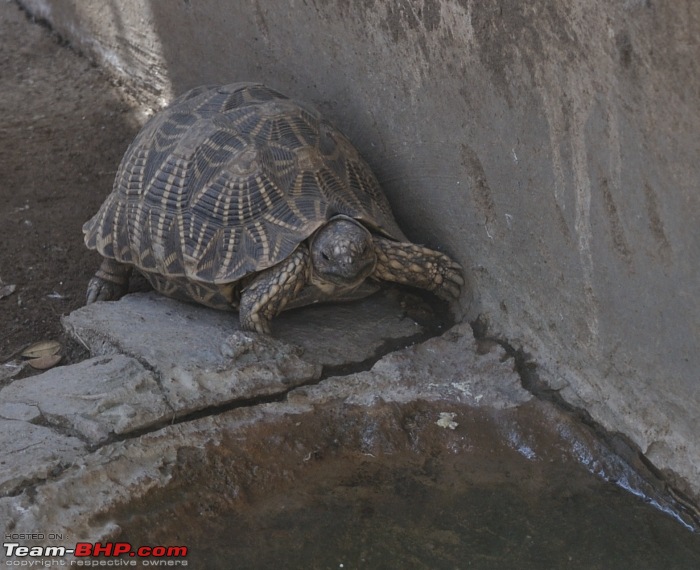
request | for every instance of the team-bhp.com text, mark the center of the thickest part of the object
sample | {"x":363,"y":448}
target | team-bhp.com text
{"x":94,"y":554}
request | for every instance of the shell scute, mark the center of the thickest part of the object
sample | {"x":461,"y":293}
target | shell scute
{"x":228,"y":181}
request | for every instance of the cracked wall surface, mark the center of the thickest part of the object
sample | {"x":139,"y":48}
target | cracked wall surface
{"x":550,"y":147}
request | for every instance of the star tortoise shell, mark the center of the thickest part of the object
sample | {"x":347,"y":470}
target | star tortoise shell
{"x":228,"y":181}
{"x":239,"y":197}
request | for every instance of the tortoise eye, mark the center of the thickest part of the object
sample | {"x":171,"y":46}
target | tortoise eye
{"x":325,"y":256}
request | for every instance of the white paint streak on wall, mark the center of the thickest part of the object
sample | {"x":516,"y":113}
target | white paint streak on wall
{"x":555,"y":92}
{"x":555,"y":121}
{"x":582,"y":192}
{"x":613,"y":125}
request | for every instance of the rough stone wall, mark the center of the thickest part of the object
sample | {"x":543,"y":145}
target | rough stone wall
{"x":551,"y":147}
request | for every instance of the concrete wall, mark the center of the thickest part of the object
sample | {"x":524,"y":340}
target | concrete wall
{"x":551,"y":147}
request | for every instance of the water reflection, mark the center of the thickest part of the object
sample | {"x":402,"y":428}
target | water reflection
{"x":500,"y":490}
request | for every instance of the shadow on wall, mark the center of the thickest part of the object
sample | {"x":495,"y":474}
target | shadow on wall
{"x":336,"y":56}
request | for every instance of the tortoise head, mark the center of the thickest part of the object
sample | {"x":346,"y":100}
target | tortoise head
{"x":342,"y":252}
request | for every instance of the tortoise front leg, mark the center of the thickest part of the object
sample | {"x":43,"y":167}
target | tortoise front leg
{"x":110,"y":282}
{"x":266,"y":296}
{"x":418,"y":266}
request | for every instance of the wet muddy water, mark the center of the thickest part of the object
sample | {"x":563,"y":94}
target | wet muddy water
{"x":388,"y":487}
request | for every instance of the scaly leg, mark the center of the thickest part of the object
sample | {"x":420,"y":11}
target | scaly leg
{"x":266,"y":296}
{"x":110,"y":282}
{"x":418,"y":266}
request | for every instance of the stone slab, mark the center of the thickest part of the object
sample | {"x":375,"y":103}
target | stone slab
{"x":31,"y":453}
{"x":446,"y":368}
{"x":199,"y":356}
{"x":95,"y":399}
{"x":153,"y":327}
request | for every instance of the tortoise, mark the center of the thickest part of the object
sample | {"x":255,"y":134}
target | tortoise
{"x":238,"y":197}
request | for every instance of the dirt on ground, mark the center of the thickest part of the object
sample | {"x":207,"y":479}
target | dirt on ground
{"x":65,"y":126}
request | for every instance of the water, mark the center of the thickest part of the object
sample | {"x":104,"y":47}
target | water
{"x":391,"y":489}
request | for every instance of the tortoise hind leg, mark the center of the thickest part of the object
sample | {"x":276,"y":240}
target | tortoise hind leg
{"x":110,"y":282}
{"x":418,"y":266}
{"x":268,"y":294}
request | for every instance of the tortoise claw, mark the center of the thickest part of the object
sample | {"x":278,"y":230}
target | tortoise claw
{"x":418,"y":266}
{"x":102,"y":290}
{"x":110,"y":283}
{"x":452,"y":280}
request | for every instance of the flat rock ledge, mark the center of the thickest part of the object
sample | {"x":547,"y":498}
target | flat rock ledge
{"x":169,"y":382}
{"x":165,"y":375}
